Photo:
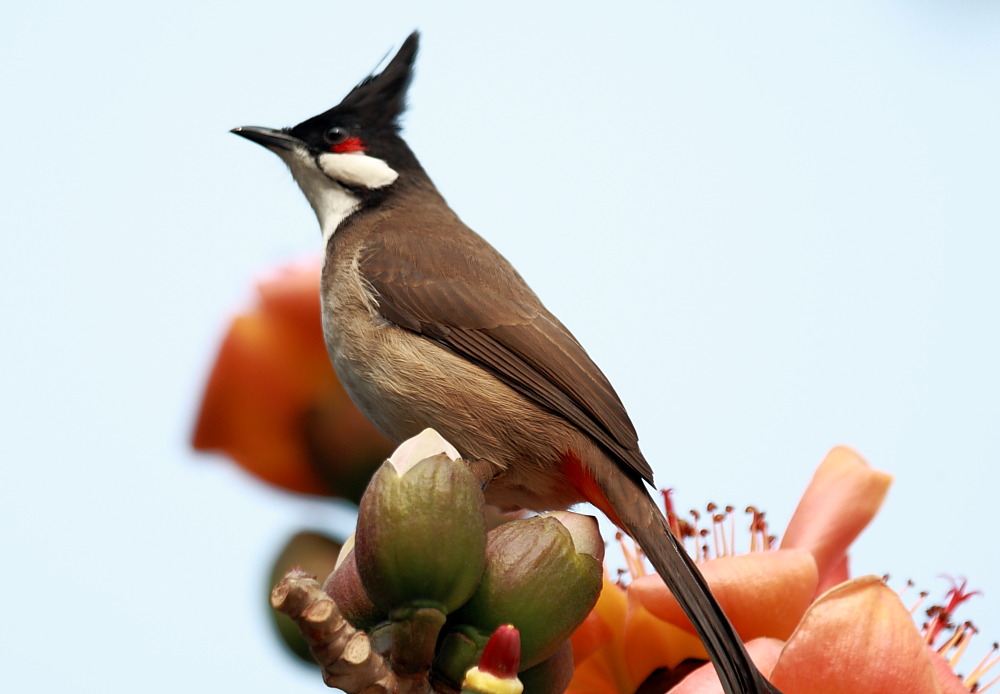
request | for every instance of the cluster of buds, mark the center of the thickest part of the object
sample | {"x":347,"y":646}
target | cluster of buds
{"x":428,"y":583}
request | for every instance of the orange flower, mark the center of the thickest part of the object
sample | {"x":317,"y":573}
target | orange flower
{"x":857,"y":637}
{"x":273,"y":403}
{"x":808,"y":628}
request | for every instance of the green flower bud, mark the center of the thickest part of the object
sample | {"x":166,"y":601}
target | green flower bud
{"x":421,"y":535}
{"x":536,"y":580}
{"x":552,"y":675}
{"x":459,"y":651}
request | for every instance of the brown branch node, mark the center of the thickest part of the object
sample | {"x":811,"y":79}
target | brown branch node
{"x":344,"y":653}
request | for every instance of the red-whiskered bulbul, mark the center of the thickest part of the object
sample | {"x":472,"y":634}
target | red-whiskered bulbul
{"x":428,"y":326}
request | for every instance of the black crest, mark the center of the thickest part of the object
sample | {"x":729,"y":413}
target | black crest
{"x":380,"y":99}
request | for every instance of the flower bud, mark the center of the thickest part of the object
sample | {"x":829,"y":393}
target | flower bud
{"x":584,"y":530}
{"x":498,"y":665}
{"x":421,"y":535}
{"x":536,"y":580}
{"x":552,"y":675}
{"x":344,"y":586}
{"x":502,"y":655}
{"x":458,"y":651}
{"x":426,"y":444}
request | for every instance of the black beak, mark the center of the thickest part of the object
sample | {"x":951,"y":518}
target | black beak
{"x":269,"y":137}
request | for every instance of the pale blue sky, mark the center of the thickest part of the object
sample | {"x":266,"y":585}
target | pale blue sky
{"x":774,"y":225}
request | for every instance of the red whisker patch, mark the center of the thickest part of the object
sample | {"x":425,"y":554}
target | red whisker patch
{"x":351,"y":144}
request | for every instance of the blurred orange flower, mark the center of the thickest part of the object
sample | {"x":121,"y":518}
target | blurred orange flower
{"x":273,"y":404}
{"x":808,"y":628}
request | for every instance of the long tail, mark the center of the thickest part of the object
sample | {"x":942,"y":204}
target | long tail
{"x":736,"y":671}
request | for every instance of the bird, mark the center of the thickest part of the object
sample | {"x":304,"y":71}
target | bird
{"x":428,"y":326}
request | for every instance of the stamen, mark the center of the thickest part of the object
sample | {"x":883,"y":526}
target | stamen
{"x":935,"y":626}
{"x":633,"y":557}
{"x":985,"y":665}
{"x":717,"y":536}
{"x":732,"y":528}
{"x":668,"y":511}
{"x":954,"y":647}
{"x":921,"y":596}
{"x":965,"y":638}
{"x":640,"y":556}
{"x":909,"y":584}
{"x":710,"y":508}
{"x":952,"y":642}
{"x":696,"y":531}
{"x":754,"y":545}
{"x":989,"y":685}
{"x":723,"y":541}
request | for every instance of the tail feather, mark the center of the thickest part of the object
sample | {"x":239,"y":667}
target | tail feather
{"x":736,"y":671}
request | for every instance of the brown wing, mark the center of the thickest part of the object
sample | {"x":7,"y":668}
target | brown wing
{"x":469,"y":299}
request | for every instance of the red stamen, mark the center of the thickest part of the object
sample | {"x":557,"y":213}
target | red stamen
{"x":668,"y":508}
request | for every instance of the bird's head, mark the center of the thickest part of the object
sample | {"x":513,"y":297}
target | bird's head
{"x":351,"y":154}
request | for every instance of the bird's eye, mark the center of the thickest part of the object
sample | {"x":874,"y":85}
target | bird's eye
{"x":336,"y":135}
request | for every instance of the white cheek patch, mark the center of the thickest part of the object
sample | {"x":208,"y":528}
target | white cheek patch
{"x":357,"y":169}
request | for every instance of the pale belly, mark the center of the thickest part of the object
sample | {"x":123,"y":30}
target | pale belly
{"x":405,"y":383}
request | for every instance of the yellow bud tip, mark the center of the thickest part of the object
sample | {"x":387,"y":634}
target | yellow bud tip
{"x":483,"y":682}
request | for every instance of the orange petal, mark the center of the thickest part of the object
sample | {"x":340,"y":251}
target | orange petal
{"x":842,"y":498}
{"x":949,"y":681}
{"x":763,"y":593}
{"x":597,"y":675}
{"x":292,"y":292}
{"x":602,"y":625}
{"x":763,"y":652}
{"x":599,"y":665}
{"x":835,"y":576}
{"x":273,"y":403}
{"x":253,"y":409}
{"x":857,"y":637}
{"x":651,"y":643}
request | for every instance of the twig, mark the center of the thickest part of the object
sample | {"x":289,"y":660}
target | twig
{"x":344,"y":653}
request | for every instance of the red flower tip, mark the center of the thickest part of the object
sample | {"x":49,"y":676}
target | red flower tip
{"x":940,"y":616}
{"x":958,"y":593}
{"x":502,"y":655}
